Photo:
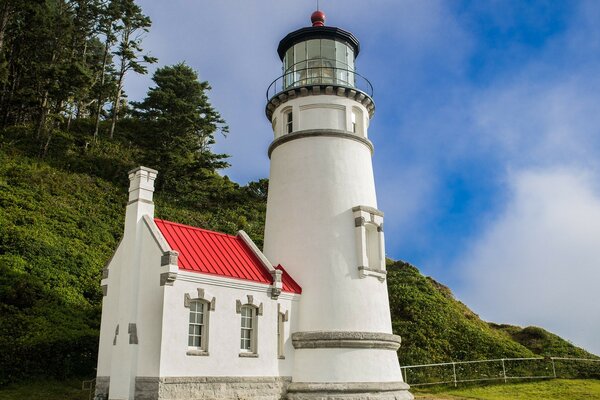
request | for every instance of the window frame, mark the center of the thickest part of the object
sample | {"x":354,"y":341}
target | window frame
{"x":281,"y":318}
{"x":288,"y":121}
{"x":205,"y":312}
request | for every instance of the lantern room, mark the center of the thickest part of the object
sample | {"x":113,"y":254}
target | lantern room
{"x":318,"y":55}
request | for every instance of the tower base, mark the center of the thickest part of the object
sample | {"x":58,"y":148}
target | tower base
{"x":349,"y":391}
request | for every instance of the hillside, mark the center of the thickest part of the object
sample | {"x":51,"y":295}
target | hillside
{"x":435,"y":327}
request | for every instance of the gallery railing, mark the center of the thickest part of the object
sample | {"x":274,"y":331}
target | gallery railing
{"x":321,"y":76}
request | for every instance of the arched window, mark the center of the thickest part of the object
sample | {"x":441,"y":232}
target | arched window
{"x":198,"y":325}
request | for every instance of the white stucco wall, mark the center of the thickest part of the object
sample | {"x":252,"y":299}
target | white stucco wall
{"x":109,"y":313}
{"x":224,"y":329}
{"x":149,"y":306}
{"x":340,"y":365}
{"x":314,"y":184}
{"x":310,"y":228}
{"x":321,"y":112}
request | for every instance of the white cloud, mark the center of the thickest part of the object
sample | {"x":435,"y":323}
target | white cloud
{"x":538,"y":263}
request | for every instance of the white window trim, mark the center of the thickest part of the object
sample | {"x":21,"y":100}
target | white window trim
{"x":363,"y":216}
{"x":288,"y":120}
{"x":257,"y":310}
{"x":209,"y":305}
{"x":282,"y":318}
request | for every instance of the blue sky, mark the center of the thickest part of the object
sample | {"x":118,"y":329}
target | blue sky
{"x":486,"y":134}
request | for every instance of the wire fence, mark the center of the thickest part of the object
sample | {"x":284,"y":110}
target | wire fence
{"x":500,"y":369}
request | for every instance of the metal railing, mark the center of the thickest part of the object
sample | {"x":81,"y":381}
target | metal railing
{"x":322,"y":75}
{"x":501,"y":369}
{"x":90,"y":387}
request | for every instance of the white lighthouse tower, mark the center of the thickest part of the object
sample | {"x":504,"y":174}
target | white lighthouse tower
{"x":323,"y":223}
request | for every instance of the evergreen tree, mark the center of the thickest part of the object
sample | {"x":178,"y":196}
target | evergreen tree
{"x":133,"y":23}
{"x":181,"y":125}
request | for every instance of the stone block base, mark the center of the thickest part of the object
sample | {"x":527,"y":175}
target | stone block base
{"x":213,"y":388}
{"x":349,"y":391}
{"x":102,"y":384}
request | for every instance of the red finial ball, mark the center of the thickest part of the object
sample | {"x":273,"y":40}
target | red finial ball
{"x":318,"y":18}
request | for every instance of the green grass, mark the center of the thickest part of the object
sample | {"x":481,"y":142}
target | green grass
{"x":556,"y":389}
{"x":45,"y":390}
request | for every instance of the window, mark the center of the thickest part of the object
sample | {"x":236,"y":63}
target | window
{"x":289,"y":121}
{"x":197,"y":334}
{"x":357,"y":121}
{"x":248,"y":332}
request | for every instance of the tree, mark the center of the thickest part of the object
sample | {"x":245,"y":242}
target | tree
{"x":133,"y":25}
{"x":181,"y":126}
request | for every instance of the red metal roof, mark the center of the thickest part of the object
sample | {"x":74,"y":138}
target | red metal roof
{"x":289,"y":284}
{"x":216,"y":253}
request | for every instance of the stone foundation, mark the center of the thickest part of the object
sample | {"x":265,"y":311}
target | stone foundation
{"x":213,"y":388}
{"x":254,"y":388}
{"x":349,"y":391}
{"x":102,"y":384}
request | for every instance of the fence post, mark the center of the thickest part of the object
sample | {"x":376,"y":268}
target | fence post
{"x":504,"y":371}
{"x":454,"y":372}
{"x":553,"y":367}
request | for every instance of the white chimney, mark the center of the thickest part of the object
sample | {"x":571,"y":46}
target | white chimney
{"x":141,"y":184}
{"x":141,"y":190}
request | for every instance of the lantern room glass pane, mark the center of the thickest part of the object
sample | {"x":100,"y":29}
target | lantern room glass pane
{"x":289,"y":59}
{"x":328,"y":49}
{"x":299,"y":52}
{"x":313,"y":48}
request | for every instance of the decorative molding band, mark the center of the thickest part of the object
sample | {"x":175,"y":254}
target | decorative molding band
{"x":141,"y":201}
{"x":378,"y":273}
{"x":338,"y":133}
{"x":249,"y":355}
{"x":348,"y":387}
{"x":368,"y":209}
{"x":315,"y":90}
{"x":167,"y":278}
{"x":349,"y":340}
{"x":197,"y":353}
{"x":215,"y":379}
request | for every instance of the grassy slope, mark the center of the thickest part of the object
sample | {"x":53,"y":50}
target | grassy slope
{"x":435,"y":327}
{"x":559,"y":389}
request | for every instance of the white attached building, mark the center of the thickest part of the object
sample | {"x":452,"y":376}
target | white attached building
{"x":194,"y":314}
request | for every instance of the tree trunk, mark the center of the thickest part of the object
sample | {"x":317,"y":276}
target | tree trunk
{"x":116,"y":104}
{"x":102,"y":80}
{"x":4,"y":16}
{"x":42,"y":118}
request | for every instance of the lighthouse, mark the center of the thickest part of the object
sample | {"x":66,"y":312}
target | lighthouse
{"x":323,"y":222}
